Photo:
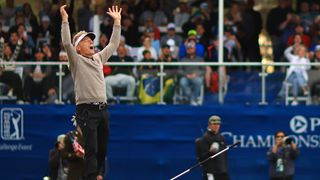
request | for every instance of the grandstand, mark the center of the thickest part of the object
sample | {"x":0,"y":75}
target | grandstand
{"x":152,"y":133}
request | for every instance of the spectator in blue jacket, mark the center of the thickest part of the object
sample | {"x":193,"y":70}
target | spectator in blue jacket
{"x":192,"y":37}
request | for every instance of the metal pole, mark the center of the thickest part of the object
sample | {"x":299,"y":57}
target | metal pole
{"x":263,"y":75}
{"x":220,"y":53}
{"x":60,"y":83}
{"x":161,"y":74}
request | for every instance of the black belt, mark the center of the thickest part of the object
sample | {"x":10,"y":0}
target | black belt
{"x":94,"y":106}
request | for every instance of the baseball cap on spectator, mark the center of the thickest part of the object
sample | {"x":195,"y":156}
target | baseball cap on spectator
{"x":63,"y":56}
{"x":61,"y":137}
{"x":192,"y":32}
{"x":122,"y":38}
{"x":171,"y":26}
{"x":229,"y":29}
{"x":165,"y":46}
{"x":45,"y":19}
{"x":82,"y":34}
{"x":204,"y":6}
{"x":317,"y":48}
{"x":214,"y":119}
{"x":63,"y":53}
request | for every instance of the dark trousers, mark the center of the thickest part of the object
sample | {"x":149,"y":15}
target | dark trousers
{"x":36,"y":91}
{"x":94,"y":123}
{"x":13,"y":80}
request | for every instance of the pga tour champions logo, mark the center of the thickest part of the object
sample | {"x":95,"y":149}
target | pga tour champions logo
{"x":12,"y":124}
{"x":299,"y":124}
{"x":305,"y":131}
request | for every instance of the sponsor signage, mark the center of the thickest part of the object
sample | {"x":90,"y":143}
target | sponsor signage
{"x":12,"y":130}
{"x":302,"y":131}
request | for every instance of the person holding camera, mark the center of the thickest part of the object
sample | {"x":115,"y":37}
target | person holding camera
{"x":57,"y":166}
{"x":209,"y":144}
{"x":281,"y":157}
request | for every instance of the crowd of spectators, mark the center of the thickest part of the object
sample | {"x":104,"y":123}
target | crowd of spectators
{"x":152,"y":31}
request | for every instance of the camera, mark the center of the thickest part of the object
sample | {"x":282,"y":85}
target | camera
{"x":287,"y":140}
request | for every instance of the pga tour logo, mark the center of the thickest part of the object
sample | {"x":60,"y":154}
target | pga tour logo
{"x":11,"y":124}
{"x":300,"y":124}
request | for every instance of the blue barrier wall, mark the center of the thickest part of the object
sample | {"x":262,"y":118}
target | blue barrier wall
{"x":157,"y":142}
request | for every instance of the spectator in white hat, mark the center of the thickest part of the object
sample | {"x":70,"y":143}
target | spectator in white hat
{"x":171,"y":34}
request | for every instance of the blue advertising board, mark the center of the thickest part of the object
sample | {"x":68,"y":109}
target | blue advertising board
{"x":157,"y":142}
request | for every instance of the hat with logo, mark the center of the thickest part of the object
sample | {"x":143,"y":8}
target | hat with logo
{"x":214,"y":120}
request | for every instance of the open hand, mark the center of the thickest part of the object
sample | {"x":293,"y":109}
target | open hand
{"x":63,"y":12}
{"x":115,"y":13}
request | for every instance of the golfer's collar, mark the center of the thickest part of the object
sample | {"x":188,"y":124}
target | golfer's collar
{"x":87,"y":57}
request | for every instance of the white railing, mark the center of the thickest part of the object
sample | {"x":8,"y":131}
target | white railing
{"x":161,"y":74}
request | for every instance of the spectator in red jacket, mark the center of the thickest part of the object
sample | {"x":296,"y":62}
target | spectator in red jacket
{"x":299,"y":29}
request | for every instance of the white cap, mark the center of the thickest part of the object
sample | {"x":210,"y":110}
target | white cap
{"x":80,"y":35}
{"x":60,"y":137}
{"x":171,"y":26}
{"x":63,"y":53}
{"x":45,"y":18}
{"x":122,"y":38}
{"x":204,"y":5}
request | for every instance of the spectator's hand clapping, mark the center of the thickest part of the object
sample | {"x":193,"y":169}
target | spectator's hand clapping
{"x":20,"y":42}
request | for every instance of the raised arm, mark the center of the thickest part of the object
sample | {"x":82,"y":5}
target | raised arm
{"x":16,"y":51}
{"x":288,"y":53}
{"x":66,"y":36}
{"x":105,"y":54}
